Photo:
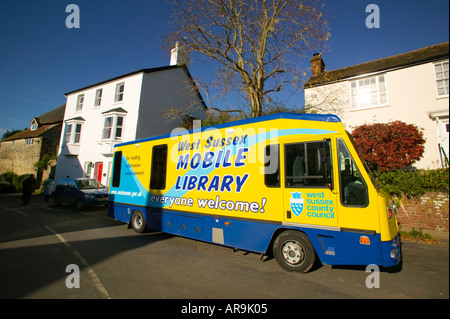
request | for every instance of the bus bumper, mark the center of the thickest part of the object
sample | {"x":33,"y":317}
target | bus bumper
{"x":391,"y":252}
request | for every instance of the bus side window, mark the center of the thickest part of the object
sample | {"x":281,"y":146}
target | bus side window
{"x":159,"y":167}
{"x":353,"y":187}
{"x":308,"y":164}
{"x":117,"y":169}
{"x":272,"y":166}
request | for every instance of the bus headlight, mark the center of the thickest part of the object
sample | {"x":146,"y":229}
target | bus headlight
{"x":394,"y":252}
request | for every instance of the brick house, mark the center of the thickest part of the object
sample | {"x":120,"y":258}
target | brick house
{"x":19,"y":152}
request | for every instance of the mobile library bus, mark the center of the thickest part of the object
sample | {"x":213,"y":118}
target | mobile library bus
{"x":289,"y":183}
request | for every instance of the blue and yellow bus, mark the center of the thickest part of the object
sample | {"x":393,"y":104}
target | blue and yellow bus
{"x":286,"y":183}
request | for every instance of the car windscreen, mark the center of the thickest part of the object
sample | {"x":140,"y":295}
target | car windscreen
{"x":88,"y":184}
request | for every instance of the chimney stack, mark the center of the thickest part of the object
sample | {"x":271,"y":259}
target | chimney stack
{"x":176,"y":56}
{"x":317,"y":64}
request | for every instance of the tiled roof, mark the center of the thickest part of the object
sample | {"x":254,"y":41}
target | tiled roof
{"x":53,"y":116}
{"x":420,"y":56}
{"x":30,"y":134}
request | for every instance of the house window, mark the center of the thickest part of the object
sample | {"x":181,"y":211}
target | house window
{"x":119,"y":92}
{"x":119,"y":124}
{"x":77,"y":134}
{"x":107,"y":128}
{"x":72,"y":133}
{"x":29,"y":141}
{"x":98,"y":97}
{"x":67,"y":133}
{"x":113,"y":127}
{"x":80,"y":101}
{"x":87,"y":169}
{"x":369,"y":92}
{"x":441,"y":69}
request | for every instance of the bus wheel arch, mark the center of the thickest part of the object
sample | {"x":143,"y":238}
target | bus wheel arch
{"x":138,"y":222}
{"x":293,"y":250}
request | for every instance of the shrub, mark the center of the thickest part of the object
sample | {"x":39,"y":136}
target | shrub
{"x":15,"y":180}
{"x":387,"y":146}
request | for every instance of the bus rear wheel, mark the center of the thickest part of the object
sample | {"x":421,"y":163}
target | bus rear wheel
{"x":138,"y":222}
{"x":294,"y":252}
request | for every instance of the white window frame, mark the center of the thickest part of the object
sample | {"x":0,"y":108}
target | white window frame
{"x":76,"y":133}
{"x":368,"y":88}
{"x":29,"y":141}
{"x":71,"y":136}
{"x":114,"y":126}
{"x":442,"y":79}
{"x":107,"y":130}
{"x":80,"y":102}
{"x":67,"y":133}
{"x":118,"y":97}
{"x":98,"y":98}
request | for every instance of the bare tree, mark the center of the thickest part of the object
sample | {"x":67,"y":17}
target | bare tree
{"x":257,"y":44}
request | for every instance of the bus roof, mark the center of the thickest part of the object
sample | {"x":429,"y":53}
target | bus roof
{"x":293,"y":116}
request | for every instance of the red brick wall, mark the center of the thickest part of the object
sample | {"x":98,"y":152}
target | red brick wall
{"x":430,"y":211}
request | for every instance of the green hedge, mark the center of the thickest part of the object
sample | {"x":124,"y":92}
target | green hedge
{"x":413,"y":184}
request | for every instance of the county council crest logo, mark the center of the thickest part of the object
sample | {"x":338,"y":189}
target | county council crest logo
{"x":297,"y":203}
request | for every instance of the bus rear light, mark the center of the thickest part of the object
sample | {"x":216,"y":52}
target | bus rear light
{"x":392,"y":210}
{"x":364,"y":240}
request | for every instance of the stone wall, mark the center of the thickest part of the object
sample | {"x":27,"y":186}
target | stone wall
{"x":18,"y":157}
{"x":429,"y":212}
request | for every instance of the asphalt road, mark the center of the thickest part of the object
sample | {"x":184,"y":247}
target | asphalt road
{"x":38,"y":242}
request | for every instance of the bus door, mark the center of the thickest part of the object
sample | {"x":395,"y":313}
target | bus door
{"x":358,"y":212}
{"x":309,"y":194}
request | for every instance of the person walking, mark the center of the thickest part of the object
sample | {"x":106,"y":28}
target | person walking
{"x":28,"y":187}
{"x":48,"y":189}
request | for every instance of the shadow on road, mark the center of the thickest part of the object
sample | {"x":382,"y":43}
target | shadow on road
{"x":32,"y":257}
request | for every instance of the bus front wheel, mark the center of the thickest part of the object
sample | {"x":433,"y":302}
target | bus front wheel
{"x":294,"y":252}
{"x":138,"y":222}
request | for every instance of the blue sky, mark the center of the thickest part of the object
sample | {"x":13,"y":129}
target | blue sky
{"x":41,"y":59}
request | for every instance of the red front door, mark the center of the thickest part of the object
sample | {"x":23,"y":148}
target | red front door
{"x":98,"y":170}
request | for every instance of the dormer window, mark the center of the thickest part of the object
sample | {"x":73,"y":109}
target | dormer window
{"x":34,"y":125}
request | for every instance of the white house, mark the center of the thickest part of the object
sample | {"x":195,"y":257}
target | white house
{"x":122,"y":109}
{"x":412,"y":87}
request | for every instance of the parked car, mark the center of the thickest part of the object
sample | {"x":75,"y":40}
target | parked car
{"x":5,"y":186}
{"x":81,"y":192}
